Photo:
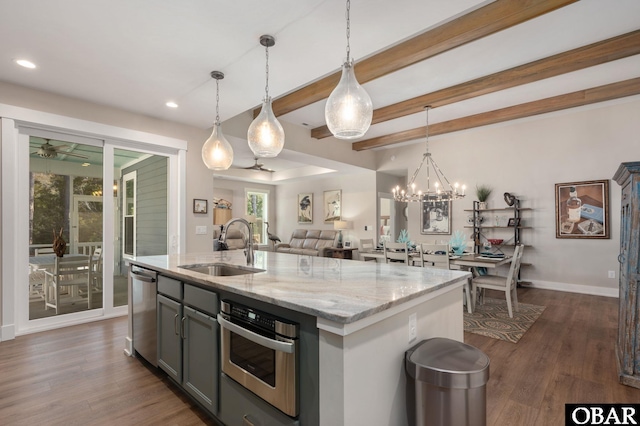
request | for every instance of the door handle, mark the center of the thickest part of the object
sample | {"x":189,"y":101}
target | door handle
{"x":246,"y":421}
{"x":621,"y":258}
{"x":182,"y":327}
{"x":175,"y":324}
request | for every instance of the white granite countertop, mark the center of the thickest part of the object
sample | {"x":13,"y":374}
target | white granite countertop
{"x":338,"y":290}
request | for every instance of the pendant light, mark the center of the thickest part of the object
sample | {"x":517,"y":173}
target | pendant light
{"x":348,"y":111}
{"x":442,"y":189}
{"x":217,"y":152}
{"x":265,"y":134}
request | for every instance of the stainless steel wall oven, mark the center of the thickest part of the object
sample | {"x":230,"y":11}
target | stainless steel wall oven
{"x":260,"y":352}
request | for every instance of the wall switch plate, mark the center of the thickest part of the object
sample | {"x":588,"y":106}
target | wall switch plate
{"x":612,"y":274}
{"x":201,"y":230}
{"x":413,"y":327}
{"x":366,"y":228}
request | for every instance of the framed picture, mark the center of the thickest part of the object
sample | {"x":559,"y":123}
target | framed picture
{"x":305,"y":208}
{"x":513,"y":222}
{"x":435,"y":217}
{"x":200,"y":206}
{"x":347,"y":244}
{"x":332,"y":205}
{"x":582,"y":209}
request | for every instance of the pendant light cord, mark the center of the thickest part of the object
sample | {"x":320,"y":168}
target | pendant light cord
{"x":217,"y":102}
{"x":266,"y":87}
{"x":427,"y":154}
{"x":348,"y":30}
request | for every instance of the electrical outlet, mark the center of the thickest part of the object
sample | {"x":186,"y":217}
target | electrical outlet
{"x":201,"y":230}
{"x":612,"y":274}
{"x":413,"y":327}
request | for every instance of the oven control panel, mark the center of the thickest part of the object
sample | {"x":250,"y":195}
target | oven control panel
{"x":258,"y":318}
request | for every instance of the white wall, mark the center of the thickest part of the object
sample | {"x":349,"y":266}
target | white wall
{"x":358,"y":205}
{"x":527,"y":158}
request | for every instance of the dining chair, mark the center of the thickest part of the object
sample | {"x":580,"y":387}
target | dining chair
{"x":43,"y":250}
{"x":71,"y":272}
{"x":396,"y":252}
{"x":507,"y":284}
{"x":366,"y":245}
{"x":434,"y":256}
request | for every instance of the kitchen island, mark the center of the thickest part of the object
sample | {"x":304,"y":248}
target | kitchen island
{"x":366,"y":316}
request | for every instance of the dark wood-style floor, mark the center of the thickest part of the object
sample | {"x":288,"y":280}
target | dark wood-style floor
{"x":80,"y":375}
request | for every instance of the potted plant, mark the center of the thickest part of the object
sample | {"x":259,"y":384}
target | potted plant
{"x":483,"y":192}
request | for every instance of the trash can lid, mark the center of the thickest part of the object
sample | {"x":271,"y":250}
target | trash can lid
{"x":447,"y":363}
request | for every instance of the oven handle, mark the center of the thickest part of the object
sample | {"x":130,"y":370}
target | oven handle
{"x":276,"y":345}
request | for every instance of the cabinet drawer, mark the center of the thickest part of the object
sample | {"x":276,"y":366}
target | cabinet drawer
{"x":237,"y":403}
{"x":201,"y":299}
{"x":170,"y":287}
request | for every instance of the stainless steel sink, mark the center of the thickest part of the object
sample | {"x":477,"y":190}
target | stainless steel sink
{"x":220,"y":269}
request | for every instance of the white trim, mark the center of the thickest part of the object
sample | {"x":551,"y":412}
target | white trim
{"x":575,"y":288}
{"x":54,"y":122}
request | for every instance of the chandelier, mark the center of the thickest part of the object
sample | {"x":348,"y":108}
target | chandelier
{"x":442,"y":190}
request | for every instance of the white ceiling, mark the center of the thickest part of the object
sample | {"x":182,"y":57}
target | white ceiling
{"x":138,"y":54}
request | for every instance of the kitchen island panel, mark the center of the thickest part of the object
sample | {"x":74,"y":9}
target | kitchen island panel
{"x":362,"y":375}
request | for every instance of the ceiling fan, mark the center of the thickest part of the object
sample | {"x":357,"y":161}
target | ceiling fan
{"x":259,"y":167}
{"x":47,"y":150}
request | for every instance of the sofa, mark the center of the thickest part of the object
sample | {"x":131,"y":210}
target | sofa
{"x":311,"y":242}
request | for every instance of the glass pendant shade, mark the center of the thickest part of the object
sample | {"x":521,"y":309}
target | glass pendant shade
{"x":265,"y":134}
{"x":217,"y":152}
{"x":349,"y":110}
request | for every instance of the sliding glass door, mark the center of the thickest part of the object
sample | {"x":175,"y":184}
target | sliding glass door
{"x":66,"y":215}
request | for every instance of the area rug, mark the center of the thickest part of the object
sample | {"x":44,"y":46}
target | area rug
{"x":491,"y":319}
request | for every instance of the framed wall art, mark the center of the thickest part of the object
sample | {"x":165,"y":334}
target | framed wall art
{"x":200,"y":206}
{"x":435,"y":217}
{"x":582,"y":209}
{"x":305,"y":208}
{"x":332,"y":205}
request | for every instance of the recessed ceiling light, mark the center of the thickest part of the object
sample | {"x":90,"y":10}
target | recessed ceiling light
{"x":171,"y":104}
{"x":86,"y":164}
{"x":25,"y":63}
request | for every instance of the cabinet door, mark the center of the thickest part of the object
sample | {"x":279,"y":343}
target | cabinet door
{"x":200,"y":361}
{"x":169,"y":341}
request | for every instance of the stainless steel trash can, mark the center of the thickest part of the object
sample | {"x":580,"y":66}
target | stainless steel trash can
{"x":449,"y":386}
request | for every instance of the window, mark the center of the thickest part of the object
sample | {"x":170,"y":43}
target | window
{"x":258,"y":206}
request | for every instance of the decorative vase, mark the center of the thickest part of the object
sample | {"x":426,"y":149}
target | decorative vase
{"x":458,"y":243}
{"x":482,"y":205}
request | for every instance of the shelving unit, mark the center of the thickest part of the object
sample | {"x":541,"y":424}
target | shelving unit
{"x":481,"y":223}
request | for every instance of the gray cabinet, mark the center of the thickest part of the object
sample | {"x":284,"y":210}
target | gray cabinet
{"x":188,"y":340}
{"x":628,"y":342}
{"x":239,"y":407}
{"x":169,"y":339}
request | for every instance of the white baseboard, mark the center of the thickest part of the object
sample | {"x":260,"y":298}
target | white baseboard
{"x":575,"y":288}
{"x":7,"y":332}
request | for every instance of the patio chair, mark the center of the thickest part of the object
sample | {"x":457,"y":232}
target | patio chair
{"x":68,"y":273}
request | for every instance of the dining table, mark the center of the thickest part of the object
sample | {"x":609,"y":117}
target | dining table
{"x":48,"y":261}
{"x":467,"y":261}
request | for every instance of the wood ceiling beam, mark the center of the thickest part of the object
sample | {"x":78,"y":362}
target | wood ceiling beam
{"x":556,"y":103}
{"x":494,"y":17}
{"x":594,"y":54}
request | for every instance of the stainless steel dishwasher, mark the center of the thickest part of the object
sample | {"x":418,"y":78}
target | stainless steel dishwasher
{"x":144,"y":283}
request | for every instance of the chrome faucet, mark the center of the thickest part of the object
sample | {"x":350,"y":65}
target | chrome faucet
{"x":248,"y":249}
